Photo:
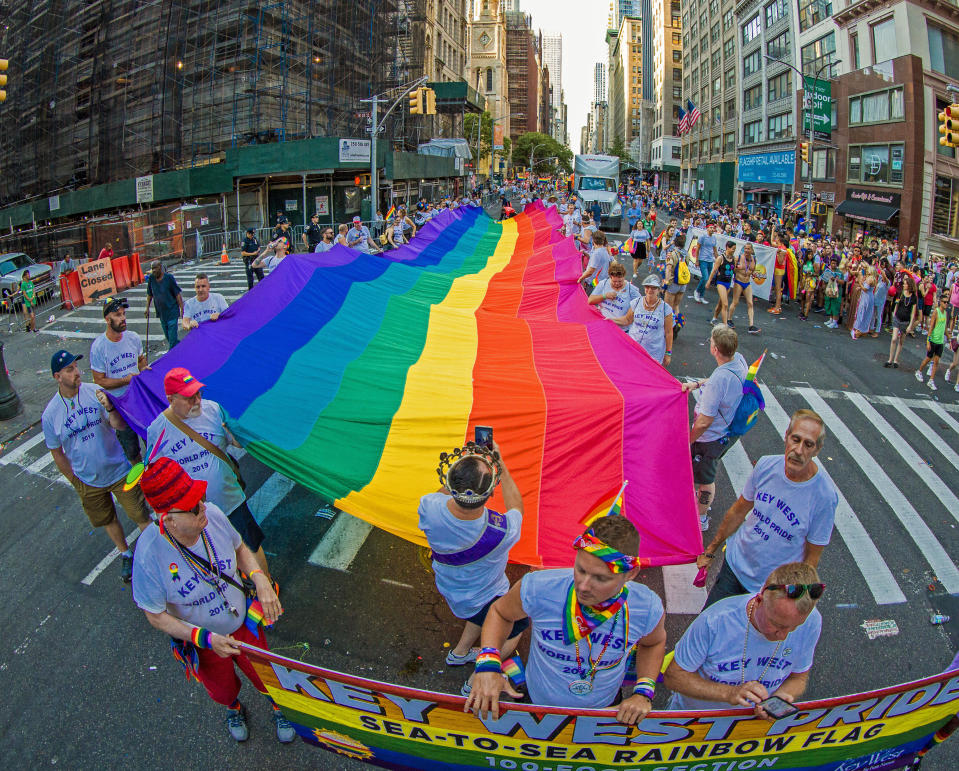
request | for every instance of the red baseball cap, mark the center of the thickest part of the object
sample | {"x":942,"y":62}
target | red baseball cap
{"x":357,"y":219}
{"x":167,"y":486}
{"x":179,"y":381}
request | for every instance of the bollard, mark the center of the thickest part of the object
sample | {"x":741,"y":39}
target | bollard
{"x":9,"y":401}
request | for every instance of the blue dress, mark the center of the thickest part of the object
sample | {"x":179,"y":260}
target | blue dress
{"x":864,"y":309}
{"x":879,"y":302}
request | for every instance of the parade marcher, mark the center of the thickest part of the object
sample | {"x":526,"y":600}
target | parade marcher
{"x":269,"y":262}
{"x":116,"y":357}
{"x":358,"y":237}
{"x":394,"y":232}
{"x":650,"y":322}
{"x":164,"y":292}
{"x":785,"y":513}
{"x":614,"y":295}
{"x":779,"y":273}
{"x":904,"y":314}
{"x":249,"y":251}
{"x":187,"y":580}
{"x":195,"y":436}
{"x":745,"y":265}
{"x":746,"y":648}
{"x":470,"y":543}
{"x":78,"y":429}
{"x":714,"y":412}
{"x":326,"y":241}
{"x":312,"y":234}
{"x":935,"y":341}
{"x":864,"y":307}
{"x":705,"y":257}
{"x":586,"y":621}
{"x":597,"y":269}
{"x":832,"y":278}
{"x":675,"y":286}
{"x":204,"y":306}
{"x":724,"y":272}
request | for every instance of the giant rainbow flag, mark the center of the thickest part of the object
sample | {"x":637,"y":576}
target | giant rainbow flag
{"x":350,"y":373}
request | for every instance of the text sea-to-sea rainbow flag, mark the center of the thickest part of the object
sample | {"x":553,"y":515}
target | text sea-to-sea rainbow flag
{"x":349,"y":373}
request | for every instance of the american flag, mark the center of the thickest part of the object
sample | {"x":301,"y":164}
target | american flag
{"x":693,"y":113}
{"x":683,"y":121}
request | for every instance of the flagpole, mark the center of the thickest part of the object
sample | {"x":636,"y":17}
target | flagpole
{"x":618,"y":496}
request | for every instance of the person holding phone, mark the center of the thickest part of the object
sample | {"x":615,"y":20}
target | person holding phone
{"x":746,"y":649}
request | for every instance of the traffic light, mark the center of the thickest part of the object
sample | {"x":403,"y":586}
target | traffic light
{"x":949,"y":126}
{"x":430,"y":101}
{"x":4,"y":63}
{"x":804,"y":151}
{"x":416,"y":101}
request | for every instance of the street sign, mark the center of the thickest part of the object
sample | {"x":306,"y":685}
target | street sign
{"x":497,"y":137}
{"x":821,"y":93}
{"x":96,"y":279}
{"x":144,"y":189}
{"x":355,"y":150}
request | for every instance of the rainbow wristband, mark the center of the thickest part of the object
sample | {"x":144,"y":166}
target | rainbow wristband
{"x":201,"y":638}
{"x":645,"y":686}
{"x":489,"y":660}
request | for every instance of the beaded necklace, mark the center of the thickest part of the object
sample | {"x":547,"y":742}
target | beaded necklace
{"x":212,"y":577}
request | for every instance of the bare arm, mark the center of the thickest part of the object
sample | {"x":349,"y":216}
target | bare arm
{"x":63,"y":463}
{"x":695,"y":686}
{"x":624,"y":321}
{"x":812,"y":554}
{"x":511,"y":494}
{"x":265,"y":593}
{"x":100,"y":379}
{"x":699,"y":426}
{"x":734,"y":517}
{"x":223,"y":645}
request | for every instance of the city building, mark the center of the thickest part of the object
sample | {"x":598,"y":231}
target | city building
{"x":487,"y":62}
{"x":523,"y":73}
{"x":768,"y":117}
{"x":667,"y":86}
{"x":439,"y":44}
{"x":711,"y":73}
{"x":620,"y":9}
{"x":625,"y":83}
{"x":599,"y":82}
{"x":600,"y":137}
{"x":545,"y":110}
{"x":553,"y":60}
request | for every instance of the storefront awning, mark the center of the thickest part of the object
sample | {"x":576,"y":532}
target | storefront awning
{"x":869,"y":212}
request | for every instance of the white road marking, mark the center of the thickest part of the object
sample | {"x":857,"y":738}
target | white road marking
{"x":105,"y":562}
{"x":396,"y":583}
{"x":341,"y":543}
{"x":944,"y":416}
{"x":681,"y":596}
{"x":868,"y":559}
{"x":914,"y":525}
{"x":68,"y":334}
{"x":922,"y":403}
{"x":40,"y":463}
{"x":268,"y":495}
{"x":924,"y":428}
{"x":14,"y":456}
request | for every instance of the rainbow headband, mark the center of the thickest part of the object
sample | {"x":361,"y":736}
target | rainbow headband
{"x":617,"y":561}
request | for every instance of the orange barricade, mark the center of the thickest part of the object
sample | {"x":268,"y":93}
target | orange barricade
{"x":121,"y":272}
{"x":70,"y":291}
{"x":136,"y":270}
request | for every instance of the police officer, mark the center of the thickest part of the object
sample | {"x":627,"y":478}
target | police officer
{"x":250,"y":250}
{"x":313,"y":233}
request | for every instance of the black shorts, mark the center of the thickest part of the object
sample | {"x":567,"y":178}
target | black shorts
{"x":639,"y":252}
{"x":934,"y":349}
{"x":243,"y":522}
{"x":706,"y":456}
{"x":480,"y":616}
{"x":927,"y":308}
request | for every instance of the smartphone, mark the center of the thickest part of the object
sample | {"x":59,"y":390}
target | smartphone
{"x":778,"y":708}
{"x":484,"y":435}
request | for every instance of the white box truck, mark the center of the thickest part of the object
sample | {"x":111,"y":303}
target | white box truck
{"x":596,"y":178}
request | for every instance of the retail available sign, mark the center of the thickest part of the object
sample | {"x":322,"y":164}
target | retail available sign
{"x":880,"y":197}
{"x":770,"y":168}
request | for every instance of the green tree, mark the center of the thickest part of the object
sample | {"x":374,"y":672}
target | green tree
{"x":543,"y":146}
{"x":619,"y":149}
{"x":486,"y":132}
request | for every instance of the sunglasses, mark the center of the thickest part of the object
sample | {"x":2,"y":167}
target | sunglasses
{"x":795,"y":591}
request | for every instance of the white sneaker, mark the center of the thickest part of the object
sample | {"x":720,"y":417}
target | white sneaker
{"x":947,"y":376}
{"x":929,"y":370}
{"x":957,"y":387}
{"x":697,"y":297}
{"x":918,"y":375}
{"x":932,"y":385}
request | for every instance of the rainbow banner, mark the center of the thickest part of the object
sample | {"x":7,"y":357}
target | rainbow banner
{"x":349,"y":373}
{"x":391,"y":726}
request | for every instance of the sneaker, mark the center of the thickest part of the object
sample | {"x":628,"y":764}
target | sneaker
{"x":285,"y":733}
{"x":820,"y":309}
{"x":714,"y":321}
{"x":703,"y":301}
{"x":947,"y":376}
{"x":704,"y":522}
{"x":236,"y":723}
{"x":932,"y":385}
{"x":929,"y":370}
{"x":730,"y":324}
{"x":466,"y":689}
{"x":801,"y":317}
{"x":455,"y":660}
{"x":126,"y":568}
{"x":753,"y":329}
{"x":697,"y":297}
{"x":918,"y":375}
{"x":956,"y":387}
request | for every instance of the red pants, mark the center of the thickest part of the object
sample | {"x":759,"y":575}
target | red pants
{"x":218,"y":674}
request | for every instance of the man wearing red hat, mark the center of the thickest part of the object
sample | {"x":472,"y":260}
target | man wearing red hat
{"x":187,"y":581}
{"x":195,"y":436}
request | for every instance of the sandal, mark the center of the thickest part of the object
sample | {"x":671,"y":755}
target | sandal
{"x":895,"y":365}
{"x":874,"y":334}
{"x":887,"y":364}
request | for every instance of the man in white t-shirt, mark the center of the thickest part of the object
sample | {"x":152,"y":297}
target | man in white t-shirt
{"x":744,"y":649}
{"x":358,"y":237}
{"x":785,"y":513}
{"x":586,"y":621}
{"x":205,"y":306}
{"x":116,"y":357}
{"x":471,"y":543}
{"x":614,"y":295}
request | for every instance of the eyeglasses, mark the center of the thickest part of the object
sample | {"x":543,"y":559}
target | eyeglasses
{"x":795,"y":591}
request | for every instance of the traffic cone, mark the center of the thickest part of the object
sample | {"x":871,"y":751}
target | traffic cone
{"x":224,"y":258}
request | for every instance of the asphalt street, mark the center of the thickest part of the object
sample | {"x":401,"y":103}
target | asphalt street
{"x":88,"y":683}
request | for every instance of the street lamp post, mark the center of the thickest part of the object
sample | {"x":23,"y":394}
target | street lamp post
{"x":532,"y":152}
{"x":807,"y":107}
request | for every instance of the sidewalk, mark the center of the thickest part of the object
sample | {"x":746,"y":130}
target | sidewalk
{"x":27,"y":356}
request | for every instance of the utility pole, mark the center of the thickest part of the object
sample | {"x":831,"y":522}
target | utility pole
{"x":374,"y":170}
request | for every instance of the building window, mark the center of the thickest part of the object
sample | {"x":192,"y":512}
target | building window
{"x":729,"y":49}
{"x":716,"y":60}
{"x":677,"y":92}
{"x":717,"y":86}
{"x":730,"y":109}
{"x":879,"y":107}
{"x":819,"y":53}
{"x":752,"y":28}
{"x":884,"y":45}
{"x":752,"y":132}
{"x":753,"y":97}
{"x":854,"y":48}
{"x":727,"y":20}
{"x":717,"y":145}
{"x":703,"y":146}
{"x":823,"y":166}
{"x":776,"y":11}
{"x":674,"y":152}
{"x":945,"y":208}
{"x":780,"y":87}
{"x":694,"y":51}
{"x":705,"y":70}
{"x":489,"y":79}
{"x":677,"y":74}
{"x":780,"y":126}
{"x":695,"y":80}
{"x":677,"y":55}
{"x":812,"y":12}
{"x":778,"y":47}
{"x":717,"y":116}
{"x":876,"y":164}
{"x":675,"y":38}
{"x":730,"y":143}
{"x":752,"y":63}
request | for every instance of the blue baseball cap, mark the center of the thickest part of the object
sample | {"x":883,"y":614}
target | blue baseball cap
{"x":62,"y":359}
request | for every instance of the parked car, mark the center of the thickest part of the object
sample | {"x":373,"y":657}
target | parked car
{"x":12,"y":267}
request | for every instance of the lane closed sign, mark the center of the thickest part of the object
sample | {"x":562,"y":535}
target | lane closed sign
{"x":96,"y":280}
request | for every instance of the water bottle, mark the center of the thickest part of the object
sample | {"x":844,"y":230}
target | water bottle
{"x":938,"y":618}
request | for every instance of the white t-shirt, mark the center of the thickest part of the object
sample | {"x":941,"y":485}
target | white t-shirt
{"x":712,"y":647}
{"x":784,"y":516}
{"x":80,"y":427}
{"x":649,"y":327}
{"x":164,"y":581}
{"x":223,"y":488}
{"x":322,"y":247}
{"x":117,"y":359}
{"x":552,"y":663}
{"x":466,"y":588}
{"x":272,"y":262}
{"x":600,"y":259}
{"x":618,"y":307}
{"x":721,"y":396}
{"x":201,"y":311}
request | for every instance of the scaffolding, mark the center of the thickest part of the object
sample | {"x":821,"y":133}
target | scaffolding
{"x":103,"y":90}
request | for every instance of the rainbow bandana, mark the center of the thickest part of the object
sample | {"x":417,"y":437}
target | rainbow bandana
{"x":580,"y":620}
{"x":617,"y":561}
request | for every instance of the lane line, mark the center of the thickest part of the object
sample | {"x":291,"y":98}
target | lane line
{"x":105,"y":562}
{"x":14,"y":456}
{"x":940,"y":413}
{"x":40,"y":463}
{"x":865,"y":554}
{"x":939,"y":488}
{"x":268,"y":495}
{"x":922,"y":403}
{"x":914,"y":525}
{"x":937,"y":442}
{"x":341,"y":543}
{"x":681,"y":596}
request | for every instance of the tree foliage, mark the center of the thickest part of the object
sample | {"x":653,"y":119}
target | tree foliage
{"x":545,"y":147}
{"x":619,"y":149}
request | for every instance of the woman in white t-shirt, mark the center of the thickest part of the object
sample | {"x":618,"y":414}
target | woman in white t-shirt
{"x":614,"y":295}
{"x":651,"y":322}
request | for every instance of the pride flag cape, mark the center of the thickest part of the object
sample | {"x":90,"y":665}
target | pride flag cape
{"x":349,"y":373}
{"x":792,"y":273}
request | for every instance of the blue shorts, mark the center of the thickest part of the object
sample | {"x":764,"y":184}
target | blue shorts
{"x":723,"y":284}
{"x":480,"y":616}
{"x":742,"y":284}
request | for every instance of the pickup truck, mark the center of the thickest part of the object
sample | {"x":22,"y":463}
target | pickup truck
{"x":12,"y":267}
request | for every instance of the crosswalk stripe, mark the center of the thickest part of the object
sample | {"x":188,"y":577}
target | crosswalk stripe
{"x":341,"y":543}
{"x":875,"y":571}
{"x":40,"y":463}
{"x":98,"y":319}
{"x":941,"y":413}
{"x":14,"y":456}
{"x":939,"y":488}
{"x":681,"y":596}
{"x":69,"y":334}
{"x":268,"y":495}
{"x":925,"y":402}
{"x":924,"y":428}
{"x":915,"y":526}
